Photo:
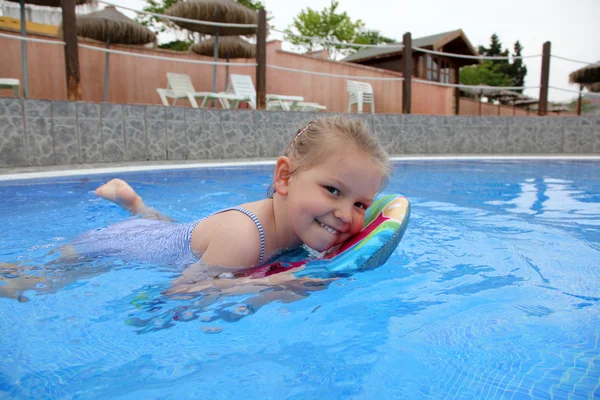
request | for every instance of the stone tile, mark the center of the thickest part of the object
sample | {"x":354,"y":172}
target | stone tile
{"x":262,"y":117}
{"x":280,"y":117}
{"x":38,"y":108}
{"x":491,"y":121}
{"x":411,"y":140}
{"x":176,"y":113}
{"x":196,"y":140}
{"x":596,"y":141}
{"x":111,"y":111}
{"x":214,"y":142}
{"x":461,"y":120}
{"x":194,"y":114}
{"x":522,"y":121}
{"x":66,"y":143}
{"x":156,"y":138}
{"x":133,"y":111}
{"x":176,"y":140}
{"x":90,"y":140}
{"x":576,"y":121}
{"x":493,"y":139}
{"x":440,"y":140}
{"x":12,"y":141}
{"x":578,"y":140}
{"x":212,"y":116}
{"x":386,"y":136}
{"x":239,"y":140}
{"x":88,"y":110}
{"x":40,"y":143}
{"x":410,"y":119}
{"x":521,"y":140}
{"x":113,"y":140}
{"x":549,"y":140}
{"x":64,"y":109}
{"x":237,"y":116}
{"x":157,"y":113}
{"x":466,"y":139}
{"x":265,"y":145}
{"x":393,"y":119}
{"x":11,"y":107}
{"x":277,"y":137}
{"x":135,"y":139}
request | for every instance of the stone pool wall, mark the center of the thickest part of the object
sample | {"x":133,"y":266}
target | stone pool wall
{"x":43,"y":132}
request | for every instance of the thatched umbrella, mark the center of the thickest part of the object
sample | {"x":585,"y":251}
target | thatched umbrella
{"x":231,"y":46}
{"x":214,"y":11}
{"x":110,"y":26}
{"x":47,"y":3}
{"x":594,"y":87}
{"x":588,"y":75}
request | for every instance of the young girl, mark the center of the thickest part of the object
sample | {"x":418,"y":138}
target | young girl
{"x":323,"y":183}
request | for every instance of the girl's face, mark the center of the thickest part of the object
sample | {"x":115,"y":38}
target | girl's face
{"x":327,"y":203}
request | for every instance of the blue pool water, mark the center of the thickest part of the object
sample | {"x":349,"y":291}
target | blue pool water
{"x":492,"y":294}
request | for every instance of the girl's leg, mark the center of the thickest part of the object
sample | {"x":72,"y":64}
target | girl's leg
{"x":119,"y":192}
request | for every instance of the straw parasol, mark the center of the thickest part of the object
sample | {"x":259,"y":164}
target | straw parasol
{"x":226,"y":11}
{"x":214,"y":11}
{"x":586,"y":76}
{"x":110,"y":26}
{"x":47,"y":3}
{"x":594,"y":87}
{"x":231,"y":46}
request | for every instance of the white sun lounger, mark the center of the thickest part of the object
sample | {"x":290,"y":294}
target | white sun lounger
{"x":179,"y":86}
{"x":9,"y":83}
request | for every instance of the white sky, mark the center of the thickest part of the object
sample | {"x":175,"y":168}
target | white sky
{"x":572,"y":26}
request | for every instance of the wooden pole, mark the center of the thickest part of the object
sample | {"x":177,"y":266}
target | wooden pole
{"x":578,"y":107}
{"x":261,"y":61}
{"x":24,"y":67}
{"x":456,"y":90}
{"x":71,"y":54}
{"x":543,"y":105}
{"x":407,"y":73}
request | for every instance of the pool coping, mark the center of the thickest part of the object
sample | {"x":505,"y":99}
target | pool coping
{"x":18,"y":173}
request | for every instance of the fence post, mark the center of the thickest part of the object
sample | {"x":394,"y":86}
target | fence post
{"x":457,"y":91}
{"x":71,"y":50}
{"x":261,"y":61}
{"x":407,"y":73}
{"x":543,"y":104}
{"x":25,"y":73}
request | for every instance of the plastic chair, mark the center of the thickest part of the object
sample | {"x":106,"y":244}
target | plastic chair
{"x":179,"y":86}
{"x":360,"y":93}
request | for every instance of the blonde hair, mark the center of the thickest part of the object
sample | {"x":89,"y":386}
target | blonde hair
{"x":314,"y":141}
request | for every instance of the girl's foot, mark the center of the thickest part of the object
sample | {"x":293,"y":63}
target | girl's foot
{"x":119,"y":192}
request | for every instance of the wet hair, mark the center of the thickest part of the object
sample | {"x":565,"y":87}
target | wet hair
{"x":315,"y":141}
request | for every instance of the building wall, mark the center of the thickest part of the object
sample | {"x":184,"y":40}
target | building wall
{"x":43,"y":132}
{"x":134,"y":80}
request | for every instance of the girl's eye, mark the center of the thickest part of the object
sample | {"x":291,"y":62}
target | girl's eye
{"x":360,"y":205}
{"x":332,"y":190}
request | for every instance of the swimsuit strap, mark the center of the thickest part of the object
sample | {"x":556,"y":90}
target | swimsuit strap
{"x":254,"y":219}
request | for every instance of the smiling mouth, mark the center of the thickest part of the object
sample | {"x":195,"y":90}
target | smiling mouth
{"x":328,"y":228}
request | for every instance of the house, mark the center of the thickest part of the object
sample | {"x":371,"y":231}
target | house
{"x":426,"y":66}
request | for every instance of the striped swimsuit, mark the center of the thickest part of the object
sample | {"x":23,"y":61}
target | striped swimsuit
{"x":147,"y":240}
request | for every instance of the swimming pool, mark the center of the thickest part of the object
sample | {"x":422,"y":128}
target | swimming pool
{"x":493,"y":293}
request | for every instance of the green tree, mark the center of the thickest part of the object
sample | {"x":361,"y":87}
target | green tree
{"x":328,"y":24}
{"x":518,"y":70}
{"x":496,"y":72}
{"x":484,"y":74}
{"x":371,"y":36}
